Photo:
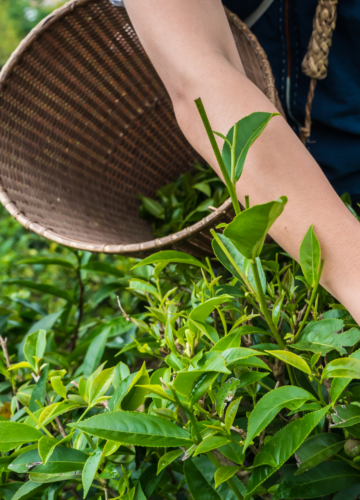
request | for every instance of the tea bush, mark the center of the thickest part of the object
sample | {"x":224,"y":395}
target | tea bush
{"x":226,"y":378}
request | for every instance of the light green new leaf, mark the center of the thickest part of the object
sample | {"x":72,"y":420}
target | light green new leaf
{"x":249,"y":129}
{"x":249,"y":229}
{"x":276,"y":310}
{"x":269,"y":406}
{"x":139,"y":429}
{"x":136,"y":395}
{"x":211,"y":443}
{"x":325,"y":479}
{"x":201,"y":312}
{"x":170,"y":256}
{"x":231,"y":414}
{"x":310,"y":256}
{"x":100,"y":385}
{"x":34,"y":347}
{"x":283,"y":445}
{"x":291,"y":359}
{"x":316,"y":449}
{"x":224,"y":473}
{"x":234,"y":262}
{"x":46,"y":446}
{"x":90,"y":469}
{"x":234,"y":354}
{"x":143,"y":286}
{"x":343,"y":367}
{"x":58,"y":386}
{"x":168,"y":458}
{"x":13,"y":434}
{"x":231,"y":340}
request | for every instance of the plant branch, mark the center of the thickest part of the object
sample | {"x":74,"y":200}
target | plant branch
{"x":3,"y":343}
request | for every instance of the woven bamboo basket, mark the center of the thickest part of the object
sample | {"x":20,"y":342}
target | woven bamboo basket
{"x":86,"y":125}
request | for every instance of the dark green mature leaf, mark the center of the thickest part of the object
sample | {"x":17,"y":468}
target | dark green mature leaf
{"x":199,"y":474}
{"x":249,"y":129}
{"x":248,"y":378}
{"x":139,"y":429}
{"x":325,"y":479}
{"x":13,"y":434}
{"x":95,"y":351}
{"x":184,"y":381}
{"x":39,"y":391}
{"x":321,"y":337}
{"x":170,"y":256}
{"x":201,"y":386}
{"x":343,"y":367}
{"x":316,"y":449}
{"x":338,"y":385}
{"x":106,"y":290}
{"x":310,"y":256}
{"x":232,"y":340}
{"x":234,"y":354}
{"x":269,"y":406}
{"x":225,"y":394}
{"x":8,"y":490}
{"x":346,"y":416}
{"x":90,"y":469}
{"x":27,"y":490}
{"x":249,"y":229}
{"x":282,"y":446}
{"x":50,"y":289}
{"x":351,"y":493}
{"x":61,"y":461}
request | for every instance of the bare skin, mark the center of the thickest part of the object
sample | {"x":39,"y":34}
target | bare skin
{"x":191,"y":47}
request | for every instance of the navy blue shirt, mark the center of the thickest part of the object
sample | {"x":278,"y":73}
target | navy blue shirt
{"x":335,"y":133}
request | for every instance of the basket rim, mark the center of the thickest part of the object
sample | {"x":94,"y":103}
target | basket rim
{"x":136,"y":248}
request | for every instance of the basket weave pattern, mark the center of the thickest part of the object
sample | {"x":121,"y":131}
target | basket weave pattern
{"x":86,"y":125}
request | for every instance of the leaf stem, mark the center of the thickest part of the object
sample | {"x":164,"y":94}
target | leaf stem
{"x":233,"y":154}
{"x":311,"y":301}
{"x":229,"y":482}
{"x":219,"y":158}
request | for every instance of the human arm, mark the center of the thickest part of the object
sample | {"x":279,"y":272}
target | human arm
{"x":192,"y":48}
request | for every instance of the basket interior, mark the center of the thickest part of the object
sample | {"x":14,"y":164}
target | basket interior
{"x":86,"y":125}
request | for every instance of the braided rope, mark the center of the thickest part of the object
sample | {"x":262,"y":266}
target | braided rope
{"x":316,"y":60}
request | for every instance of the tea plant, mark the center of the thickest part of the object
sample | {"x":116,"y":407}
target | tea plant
{"x":244,"y":384}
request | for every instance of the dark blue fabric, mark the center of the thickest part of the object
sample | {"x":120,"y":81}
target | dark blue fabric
{"x":335,"y":134}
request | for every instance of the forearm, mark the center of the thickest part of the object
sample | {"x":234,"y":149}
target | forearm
{"x":278,"y":164}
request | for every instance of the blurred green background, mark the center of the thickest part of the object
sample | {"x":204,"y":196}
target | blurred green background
{"x":17,"y":18}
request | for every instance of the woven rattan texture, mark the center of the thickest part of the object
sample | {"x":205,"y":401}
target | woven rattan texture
{"x":86,"y":125}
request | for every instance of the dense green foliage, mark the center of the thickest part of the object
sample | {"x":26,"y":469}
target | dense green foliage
{"x":227,"y":378}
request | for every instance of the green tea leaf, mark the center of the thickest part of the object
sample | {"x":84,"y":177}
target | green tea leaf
{"x":201,"y":386}
{"x":34,"y":347}
{"x":326,"y":478}
{"x":346,"y":415}
{"x":343,"y":367}
{"x":14,"y":434}
{"x":168,"y":458}
{"x":338,"y":385}
{"x":249,"y":229}
{"x":269,"y":406}
{"x":249,"y":129}
{"x":316,"y":449}
{"x":226,"y":393}
{"x":39,"y":391}
{"x":234,"y":354}
{"x":170,"y":256}
{"x":235,"y":262}
{"x":231,"y":414}
{"x":283,"y":445}
{"x":310,"y":256}
{"x":28,"y":490}
{"x":291,"y":359}
{"x":103,"y":267}
{"x":135,"y":396}
{"x":50,"y":289}
{"x":138,"y":429}
{"x":58,"y":386}
{"x":211,"y":443}
{"x":100,"y":385}
{"x":90,"y":469}
{"x":201,"y":312}
{"x":224,"y":473}
{"x":47,"y":261}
